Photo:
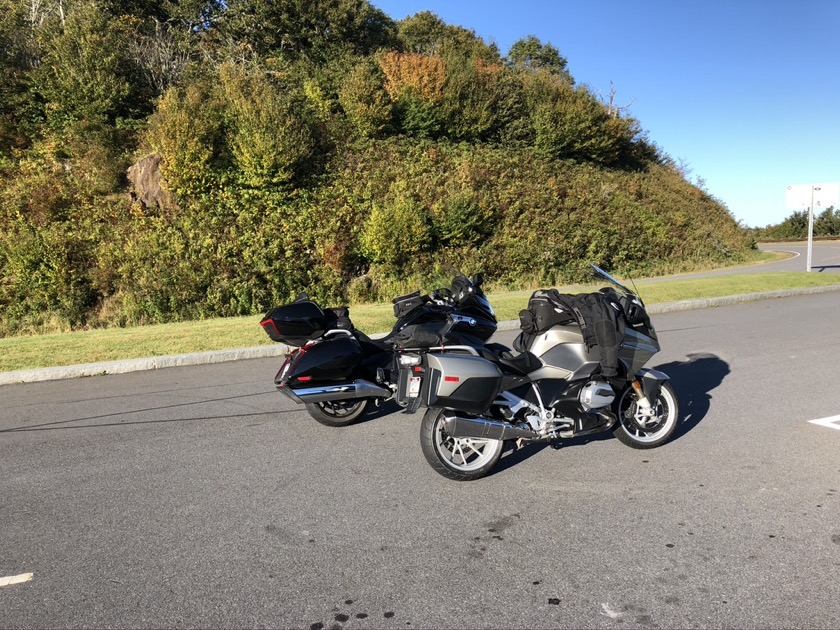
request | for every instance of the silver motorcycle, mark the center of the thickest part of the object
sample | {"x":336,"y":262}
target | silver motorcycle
{"x":579,"y":371}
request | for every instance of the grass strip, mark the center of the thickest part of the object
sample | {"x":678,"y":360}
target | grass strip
{"x":94,"y":346}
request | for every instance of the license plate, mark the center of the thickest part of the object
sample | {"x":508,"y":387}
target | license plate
{"x":414,"y":386}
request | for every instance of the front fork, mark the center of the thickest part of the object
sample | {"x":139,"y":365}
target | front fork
{"x":642,"y":402}
{"x":646,"y":385}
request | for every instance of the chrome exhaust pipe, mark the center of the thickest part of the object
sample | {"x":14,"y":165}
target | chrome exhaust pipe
{"x":343,"y":391}
{"x":483,"y":429}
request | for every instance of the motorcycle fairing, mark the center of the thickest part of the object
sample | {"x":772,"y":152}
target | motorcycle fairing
{"x":652,"y":381}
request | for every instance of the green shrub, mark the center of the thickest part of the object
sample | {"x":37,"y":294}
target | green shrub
{"x":271,"y":133}
{"x":470,"y":105}
{"x":573,"y":124}
{"x":396,"y":232}
{"x":45,"y":282}
{"x":187,"y":131}
{"x":365,"y":101}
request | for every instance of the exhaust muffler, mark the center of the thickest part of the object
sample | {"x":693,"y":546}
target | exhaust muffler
{"x":483,"y":429}
{"x":343,"y":391}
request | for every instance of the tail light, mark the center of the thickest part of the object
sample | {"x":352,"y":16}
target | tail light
{"x":407,"y":360}
{"x":290,"y":361}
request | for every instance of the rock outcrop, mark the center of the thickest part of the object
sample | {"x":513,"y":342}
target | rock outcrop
{"x":148,"y":185}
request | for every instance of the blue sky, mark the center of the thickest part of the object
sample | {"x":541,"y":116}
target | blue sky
{"x":745,"y":92}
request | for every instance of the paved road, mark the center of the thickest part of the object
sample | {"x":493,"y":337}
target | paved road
{"x":197,"y":497}
{"x":825,"y":258}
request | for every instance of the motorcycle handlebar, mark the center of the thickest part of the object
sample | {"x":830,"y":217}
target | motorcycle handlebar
{"x":462,"y":288}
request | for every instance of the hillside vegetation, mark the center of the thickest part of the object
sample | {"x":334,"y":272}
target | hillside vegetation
{"x":308,"y":145}
{"x":795,"y":226}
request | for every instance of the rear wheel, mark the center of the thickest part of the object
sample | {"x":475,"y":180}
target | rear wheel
{"x":338,"y":413}
{"x":461,"y":459}
{"x":647,"y":430}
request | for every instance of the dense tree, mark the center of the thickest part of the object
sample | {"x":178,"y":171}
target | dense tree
{"x":20,"y":110}
{"x":186,"y":15}
{"x":530,"y":53}
{"x":827,"y":222}
{"x":473,"y":97}
{"x":86,"y":73}
{"x":188,"y":132}
{"x":271,"y":133}
{"x":570,"y":122}
{"x":795,"y":226}
{"x":316,"y":30}
{"x":426,"y":34}
{"x":236,"y":126}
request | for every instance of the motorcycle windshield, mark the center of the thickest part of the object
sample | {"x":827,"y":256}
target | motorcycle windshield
{"x":485,"y":303}
{"x":618,"y":286}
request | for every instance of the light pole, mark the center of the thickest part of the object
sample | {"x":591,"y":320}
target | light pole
{"x":811,"y":226}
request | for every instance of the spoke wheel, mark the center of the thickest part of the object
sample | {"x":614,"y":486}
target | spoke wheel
{"x":461,"y":459}
{"x":647,"y":430}
{"x":337,"y":413}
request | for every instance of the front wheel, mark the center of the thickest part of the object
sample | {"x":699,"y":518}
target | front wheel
{"x":642,"y":430}
{"x":338,"y":413}
{"x":461,"y":459}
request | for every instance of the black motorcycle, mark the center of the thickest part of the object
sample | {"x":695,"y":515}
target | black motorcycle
{"x":336,"y":371}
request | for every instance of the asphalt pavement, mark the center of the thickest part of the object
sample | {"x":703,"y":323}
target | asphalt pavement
{"x":199,"y":497}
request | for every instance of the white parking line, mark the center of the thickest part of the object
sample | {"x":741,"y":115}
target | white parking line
{"x":16,"y":579}
{"x":832,"y":423}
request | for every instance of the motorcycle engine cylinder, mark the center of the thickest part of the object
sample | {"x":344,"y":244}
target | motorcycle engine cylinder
{"x":596,"y":394}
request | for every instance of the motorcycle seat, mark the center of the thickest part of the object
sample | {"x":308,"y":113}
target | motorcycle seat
{"x":384,"y":344}
{"x":499,"y":350}
{"x":522,"y":364}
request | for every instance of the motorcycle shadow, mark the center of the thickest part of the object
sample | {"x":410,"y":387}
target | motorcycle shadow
{"x":694,"y":380}
{"x":514,"y":456}
{"x":385,"y":409}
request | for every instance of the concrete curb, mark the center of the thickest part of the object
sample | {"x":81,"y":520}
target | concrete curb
{"x":140,"y":365}
{"x":686,"y":305}
{"x":277,"y":350}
